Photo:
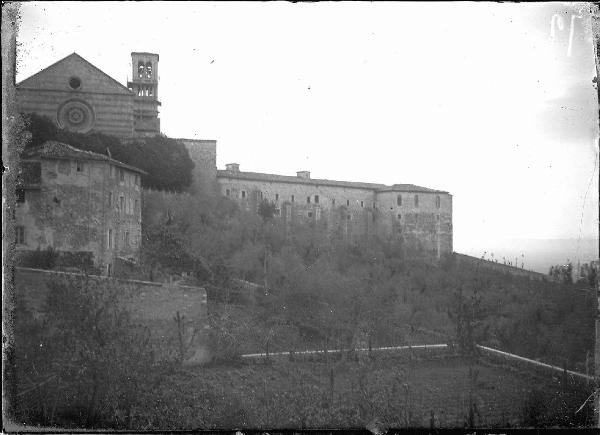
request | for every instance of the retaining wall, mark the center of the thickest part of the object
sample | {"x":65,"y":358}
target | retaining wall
{"x":154,"y":305}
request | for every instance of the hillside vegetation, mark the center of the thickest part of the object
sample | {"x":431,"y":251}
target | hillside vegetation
{"x":81,"y":360}
{"x":326,"y":292}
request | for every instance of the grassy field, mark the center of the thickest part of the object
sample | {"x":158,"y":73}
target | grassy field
{"x":390,"y":391}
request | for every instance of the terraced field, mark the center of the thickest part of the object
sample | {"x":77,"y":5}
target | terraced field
{"x":389,"y":391}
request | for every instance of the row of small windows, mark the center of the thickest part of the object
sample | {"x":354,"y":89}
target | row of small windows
{"x":362,"y":203}
{"x":120,"y":172}
{"x":81,"y":167}
{"x":145,"y":91}
{"x":399,"y":216}
{"x":111,"y":241}
{"x":124,"y":205}
{"x":64,"y":167}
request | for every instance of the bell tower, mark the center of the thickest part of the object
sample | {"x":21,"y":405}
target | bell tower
{"x":144,"y":85}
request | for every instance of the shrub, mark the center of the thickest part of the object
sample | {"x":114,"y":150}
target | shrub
{"x":82,"y":361}
{"x":227,"y":336}
{"x":38,"y":259}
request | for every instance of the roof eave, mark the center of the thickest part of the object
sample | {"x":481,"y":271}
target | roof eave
{"x":78,"y":155}
{"x":377,"y":188}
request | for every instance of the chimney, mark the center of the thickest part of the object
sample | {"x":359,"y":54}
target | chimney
{"x":303,"y":174}
{"x":232,"y":167}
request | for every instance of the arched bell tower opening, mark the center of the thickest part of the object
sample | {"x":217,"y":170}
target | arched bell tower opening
{"x":144,"y":85}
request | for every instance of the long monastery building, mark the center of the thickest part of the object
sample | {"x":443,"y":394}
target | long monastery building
{"x":419,"y":215}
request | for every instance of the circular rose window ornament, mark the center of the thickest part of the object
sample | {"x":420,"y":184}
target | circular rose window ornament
{"x":74,"y":82}
{"x":76,"y":115}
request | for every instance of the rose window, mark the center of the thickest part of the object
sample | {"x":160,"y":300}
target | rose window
{"x":76,"y":115}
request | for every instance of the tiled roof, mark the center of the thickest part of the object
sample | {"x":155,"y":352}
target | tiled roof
{"x":409,"y":188}
{"x":257,"y":176}
{"x":58,"y":150}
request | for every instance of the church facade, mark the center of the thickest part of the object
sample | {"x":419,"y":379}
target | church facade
{"x":80,"y":97}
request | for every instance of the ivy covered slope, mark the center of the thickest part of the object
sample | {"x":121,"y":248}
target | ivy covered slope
{"x":165,"y":160}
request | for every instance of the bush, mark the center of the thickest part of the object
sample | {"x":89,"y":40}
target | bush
{"x":81,"y":361}
{"x":188,"y":233}
{"x":38,"y":259}
{"x":227,"y":336}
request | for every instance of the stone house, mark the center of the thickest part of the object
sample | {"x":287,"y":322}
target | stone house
{"x":87,"y":206}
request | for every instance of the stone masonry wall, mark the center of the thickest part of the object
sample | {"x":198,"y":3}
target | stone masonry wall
{"x":344,"y":209}
{"x":154,"y":305}
{"x":113,"y":112}
{"x":424,"y":224}
{"x":301,"y":196}
{"x":73,"y":210}
{"x":353,"y":211}
{"x":203,"y":153}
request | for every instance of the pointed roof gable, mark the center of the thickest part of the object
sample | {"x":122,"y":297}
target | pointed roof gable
{"x":56,"y":77}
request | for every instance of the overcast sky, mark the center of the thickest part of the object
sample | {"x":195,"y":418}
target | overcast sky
{"x":481,"y":100}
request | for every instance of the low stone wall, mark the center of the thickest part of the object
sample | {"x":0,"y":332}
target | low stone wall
{"x":82,"y":261}
{"x":155,"y":305}
{"x":527,"y":365}
{"x":499,"y":267}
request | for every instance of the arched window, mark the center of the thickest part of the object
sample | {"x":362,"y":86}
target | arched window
{"x":437,"y":201}
{"x":140,"y":69}
{"x":399,"y":200}
{"x":416,"y":200}
{"x":149,"y":70}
